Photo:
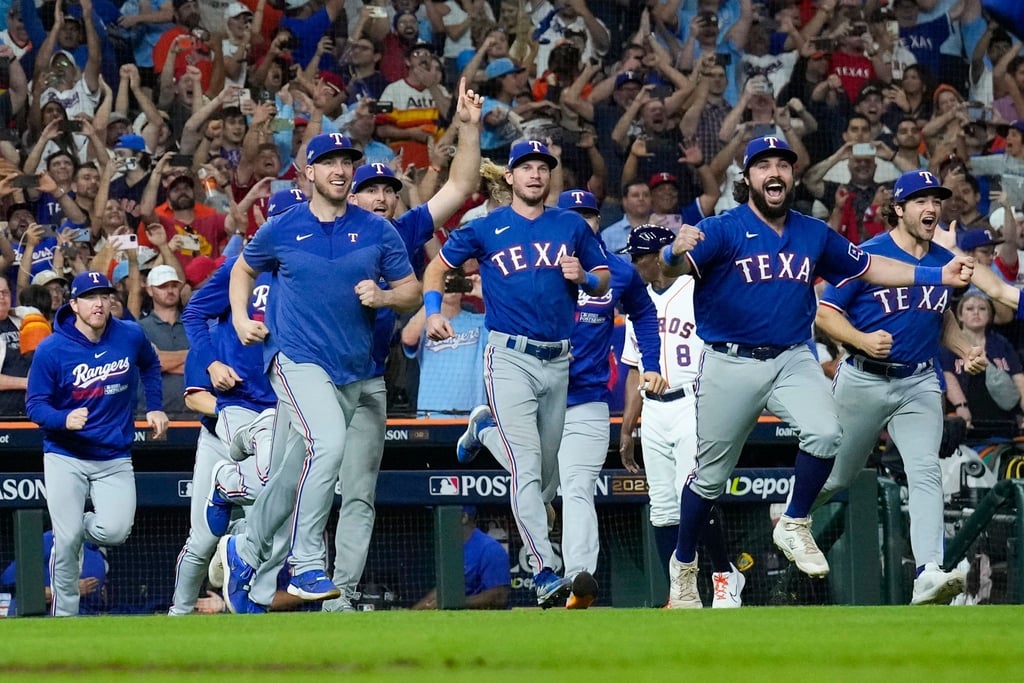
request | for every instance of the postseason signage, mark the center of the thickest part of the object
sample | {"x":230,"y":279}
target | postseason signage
{"x":431,"y":487}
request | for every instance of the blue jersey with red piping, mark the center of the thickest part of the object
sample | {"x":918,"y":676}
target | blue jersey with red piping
{"x":524,"y":290}
{"x":314,"y":315}
{"x":755,"y":286}
{"x":70,"y":371}
{"x":219,"y":341}
{"x":589,"y":370}
{"x":912,"y":315}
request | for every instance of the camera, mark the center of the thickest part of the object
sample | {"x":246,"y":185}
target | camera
{"x":183,"y":160}
{"x":455,"y":281}
{"x":123,"y":242}
{"x":25,"y":182}
{"x":382,"y":108}
{"x":723,"y":58}
{"x":72,"y":126}
{"x":291,"y":43}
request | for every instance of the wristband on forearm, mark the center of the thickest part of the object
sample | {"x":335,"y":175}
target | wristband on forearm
{"x":432,"y":302}
{"x":925,"y":275}
{"x":668,"y":257}
{"x":591,"y":282}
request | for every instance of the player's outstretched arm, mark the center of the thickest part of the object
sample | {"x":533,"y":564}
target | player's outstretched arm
{"x":672,"y":262}
{"x":889,"y":272}
{"x":998,"y":290}
{"x":630,"y":414}
{"x":464,"y":175}
{"x":876,"y":344}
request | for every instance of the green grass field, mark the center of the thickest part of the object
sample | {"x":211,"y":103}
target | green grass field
{"x":791,"y":644}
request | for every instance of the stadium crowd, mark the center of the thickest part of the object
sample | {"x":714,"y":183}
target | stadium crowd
{"x":145,"y":141}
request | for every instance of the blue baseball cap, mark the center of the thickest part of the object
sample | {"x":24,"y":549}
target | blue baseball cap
{"x":89,"y":282}
{"x":282,"y":200}
{"x":370,"y":174}
{"x":627,"y":77}
{"x":647,"y":239}
{"x":136,"y":143}
{"x":329,"y":143}
{"x":502,"y":67}
{"x":578,"y":200}
{"x":916,"y":182}
{"x":120,"y":271}
{"x":769,"y":145}
{"x":530,"y":149}
{"x":972,"y":239}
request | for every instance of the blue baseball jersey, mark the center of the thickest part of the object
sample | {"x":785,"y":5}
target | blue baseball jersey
{"x":69,"y":371}
{"x":42,"y":256}
{"x":210,"y":304}
{"x":591,"y":339}
{"x":755,"y":286}
{"x":452,"y":370}
{"x":314,"y":315}
{"x":912,"y":315}
{"x":197,"y":379}
{"x":94,"y":565}
{"x":520,"y":271}
{"x":486,"y":564}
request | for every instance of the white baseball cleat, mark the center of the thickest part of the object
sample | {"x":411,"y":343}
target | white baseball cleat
{"x":793,"y":537}
{"x":682,"y":585}
{"x":936,"y":587}
{"x":727,"y":587}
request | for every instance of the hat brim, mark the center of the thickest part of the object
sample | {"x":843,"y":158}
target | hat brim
{"x":939,"y":191}
{"x":393,"y":182}
{"x":506,"y":73}
{"x":95,"y":290}
{"x":530,"y":156}
{"x":353,"y":154}
{"x":787,"y":154}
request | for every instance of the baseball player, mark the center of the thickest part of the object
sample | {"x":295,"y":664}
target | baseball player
{"x":669,"y":434}
{"x":81,"y":392}
{"x":318,"y":343}
{"x":375,"y":188}
{"x":239,"y":380}
{"x":530,"y":256}
{"x":892,"y":335}
{"x":755,"y":267}
{"x":585,"y":436}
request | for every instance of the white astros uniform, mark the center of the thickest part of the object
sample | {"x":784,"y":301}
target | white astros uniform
{"x":668,"y":432}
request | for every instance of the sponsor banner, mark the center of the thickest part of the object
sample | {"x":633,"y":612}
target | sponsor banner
{"x":429,"y":487}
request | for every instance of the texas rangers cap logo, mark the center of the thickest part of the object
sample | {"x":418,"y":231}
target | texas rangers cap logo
{"x":917,"y":181}
{"x":768,"y":145}
{"x":379,"y":167}
{"x":578,"y":200}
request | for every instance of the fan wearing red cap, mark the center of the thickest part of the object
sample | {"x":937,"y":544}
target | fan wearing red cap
{"x":754,"y":304}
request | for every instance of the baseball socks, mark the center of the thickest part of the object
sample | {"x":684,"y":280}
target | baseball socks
{"x":665,"y":539}
{"x":693,"y":517}
{"x":811,"y":473}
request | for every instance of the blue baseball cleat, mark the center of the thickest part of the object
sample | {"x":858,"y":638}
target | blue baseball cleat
{"x":551,"y":588}
{"x":218,"y":507}
{"x":313,"y":585}
{"x":469,"y":444}
{"x":237,"y":576}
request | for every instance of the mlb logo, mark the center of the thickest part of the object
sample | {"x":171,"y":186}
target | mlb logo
{"x":184,"y":488}
{"x":444,"y":486}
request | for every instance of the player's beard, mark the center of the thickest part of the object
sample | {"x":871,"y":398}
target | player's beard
{"x":336,"y":195}
{"x":767,"y":210}
{"x":531,"y":196}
